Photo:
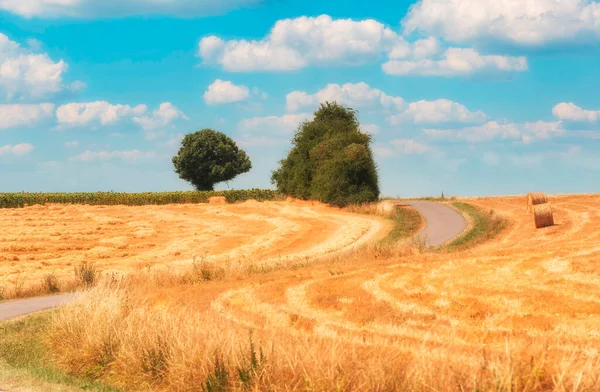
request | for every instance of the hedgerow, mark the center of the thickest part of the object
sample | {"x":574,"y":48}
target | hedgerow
{"x":23,"y":199}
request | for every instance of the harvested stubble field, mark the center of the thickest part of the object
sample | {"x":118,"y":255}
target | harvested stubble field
{"x":38,"y":240}
{"x":518,"y":313}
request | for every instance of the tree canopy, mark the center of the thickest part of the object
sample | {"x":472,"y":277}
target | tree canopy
{"x":208,"y":157}
{"x":330,"y":160}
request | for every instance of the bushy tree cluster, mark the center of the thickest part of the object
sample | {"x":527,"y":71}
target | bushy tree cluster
{"x":330,"y":160}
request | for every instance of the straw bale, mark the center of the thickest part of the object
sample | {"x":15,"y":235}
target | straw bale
{"x":543,"y":215}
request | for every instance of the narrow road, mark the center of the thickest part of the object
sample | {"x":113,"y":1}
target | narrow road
{"x":443,"y":223}
{"x":18,"y":308}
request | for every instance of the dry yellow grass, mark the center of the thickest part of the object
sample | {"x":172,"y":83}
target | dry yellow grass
{"x":217,"y":200}
{"x":521,"y":313}
{"x":39,"y":240}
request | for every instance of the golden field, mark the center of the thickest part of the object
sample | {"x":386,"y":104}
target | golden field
{"x":518,"y":313}
{"x":38,"y":240}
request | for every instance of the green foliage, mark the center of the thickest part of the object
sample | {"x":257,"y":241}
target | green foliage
{"x":486,"y":226}
{"x":330,"y":160}
{"x":218,"y":381}
{"x":155,"y":360}
{"x":208,"y":157}
{"x":23,"y":199}
{"x":24,"y":355}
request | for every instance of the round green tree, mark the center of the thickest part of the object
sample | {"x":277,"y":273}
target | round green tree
{"x":208,"y":157}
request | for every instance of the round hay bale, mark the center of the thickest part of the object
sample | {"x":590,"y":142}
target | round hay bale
{"x":543,"y":215}
{"x":534,"y":199}
{"x":217,"y":200}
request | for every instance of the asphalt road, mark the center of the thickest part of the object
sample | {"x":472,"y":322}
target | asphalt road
{"x":443,"y":223}
{"x":18,"y":308}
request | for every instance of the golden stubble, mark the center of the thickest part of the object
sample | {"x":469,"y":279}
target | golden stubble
{"x":521,"y":312}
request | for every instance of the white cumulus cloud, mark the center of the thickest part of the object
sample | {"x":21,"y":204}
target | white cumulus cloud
{"x":95,"y":113}
{"x":165,"y":115}
{"x":362,"y":96}
{"x":520,"y":22}
{"x":525,"y":132}
{"x":438,"y":111}
{"x":359,"y":95}
{"x":452,"y":62}
{"x":18,"y":149}
{"x":296,"y":43}
{"x":24,"y":74}
{"x":104,"y":8}
{"x":17,"y":115}
{"x":571,"y":112}
{"x":224,"y":91}
{"x":102,"y":113}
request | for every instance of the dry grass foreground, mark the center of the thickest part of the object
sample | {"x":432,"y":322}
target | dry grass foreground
{"x":520,"y":313}
{"x":39,"y":240}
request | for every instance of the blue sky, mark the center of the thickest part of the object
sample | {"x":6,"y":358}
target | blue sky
{"x":469,"y":97}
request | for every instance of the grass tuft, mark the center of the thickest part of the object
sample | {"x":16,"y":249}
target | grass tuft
{"x":487,"y":225}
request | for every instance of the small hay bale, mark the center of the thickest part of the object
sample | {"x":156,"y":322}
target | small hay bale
{"x":534,"y":199}
{"x":217,"y":200}
{"x":543,"y":215}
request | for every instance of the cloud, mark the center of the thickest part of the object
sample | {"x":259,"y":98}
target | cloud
{"x":371,"y":129}
{"x":526,"y":132}
{"x":571,"y":112}
{"x":361,"y":96}
{"x":162,"y":117}
{"x":24,"y":115}
{"x":72,"y":144}
{"x":438,"y":111}
{"x":285,"y":124}
{"x":297,"y":43}
{"x":222,"y":91}
{"x":102,"y":113}
{"x":455,"y":62}
{"x":24,"y":74}
{"x":531,"y":23}
{"x":322,"y":41}
{"x":18,"y":149}
{"x":131,"y":156}
{"x":99,"y":112}
{"x":102,"y":8}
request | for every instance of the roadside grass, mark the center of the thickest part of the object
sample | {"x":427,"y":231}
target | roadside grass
{"x":407,"y":221}
{"x":485,"y":226}
{"x":26,"y":362}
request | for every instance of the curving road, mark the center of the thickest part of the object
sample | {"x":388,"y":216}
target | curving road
{"x":443,"y":223}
